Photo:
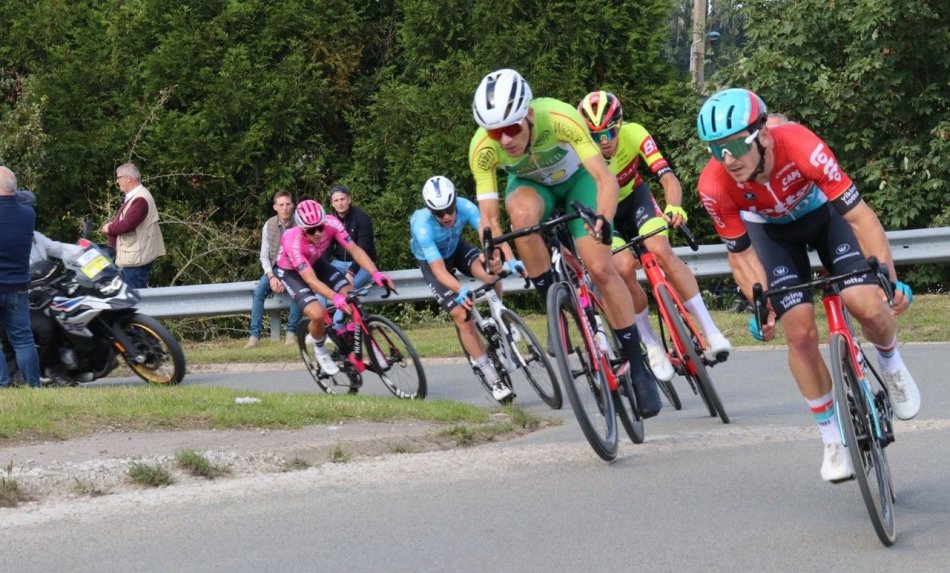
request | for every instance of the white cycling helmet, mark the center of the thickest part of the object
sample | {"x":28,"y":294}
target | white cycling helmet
{"x":501,"y":99}
{"x":438,"y":193}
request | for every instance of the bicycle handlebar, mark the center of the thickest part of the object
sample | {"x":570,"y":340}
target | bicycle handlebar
{"x":355,"y":294}
{"x":760,"y":297}
{"x":638,"y":240}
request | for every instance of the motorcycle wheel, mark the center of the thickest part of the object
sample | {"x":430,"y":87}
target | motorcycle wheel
{"x":164,"y":359}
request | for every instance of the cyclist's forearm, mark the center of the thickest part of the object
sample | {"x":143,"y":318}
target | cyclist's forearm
{"x":747,"y":270}
{"x":361,"y":258}
{"x":443,"y":275}
{"x":672,"y":190}
{"x":608,"y":191}
{"x":489,"y":218}
{"x":870,"y":234}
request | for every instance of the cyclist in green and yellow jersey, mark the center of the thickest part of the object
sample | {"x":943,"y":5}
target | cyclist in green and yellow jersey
{"x":550,"y":159}
{"x":624,"y":145}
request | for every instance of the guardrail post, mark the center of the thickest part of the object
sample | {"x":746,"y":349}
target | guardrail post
{"x":274,"y":324}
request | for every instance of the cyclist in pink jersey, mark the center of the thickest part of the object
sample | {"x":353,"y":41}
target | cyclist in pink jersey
{"x":780,"y":190}
{"x":307,"y":275}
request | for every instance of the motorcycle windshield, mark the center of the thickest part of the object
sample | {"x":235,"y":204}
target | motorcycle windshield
{"x":92,"y":263}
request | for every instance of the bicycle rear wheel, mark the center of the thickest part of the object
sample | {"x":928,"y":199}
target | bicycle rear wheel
{"x":858,"y":427}
{"x":532,"y":359}
{"x":694,"y":366}
{"x":347,"y":380}
{"x":584,"y":383}
{"x":394,"y":359}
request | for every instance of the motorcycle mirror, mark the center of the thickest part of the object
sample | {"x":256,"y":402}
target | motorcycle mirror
{"x":86,"y":229}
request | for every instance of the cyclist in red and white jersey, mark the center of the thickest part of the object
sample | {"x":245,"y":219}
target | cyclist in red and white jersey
{"x":307,"y":275}
{"x":780,"y":190}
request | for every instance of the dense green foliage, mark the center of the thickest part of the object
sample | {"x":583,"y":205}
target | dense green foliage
{"x":223,"y":102}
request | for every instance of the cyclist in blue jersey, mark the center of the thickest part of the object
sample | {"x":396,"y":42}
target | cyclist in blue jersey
{"x":440,"y":250}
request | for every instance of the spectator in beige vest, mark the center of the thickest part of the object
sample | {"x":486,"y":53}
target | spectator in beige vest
{"x":270,"y":244}
{"x":134,"y":231}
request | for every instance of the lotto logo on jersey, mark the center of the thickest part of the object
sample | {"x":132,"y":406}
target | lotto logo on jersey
{"x":820,"y":158}
{"x":648,"y":147}
{"x":710,"y":205}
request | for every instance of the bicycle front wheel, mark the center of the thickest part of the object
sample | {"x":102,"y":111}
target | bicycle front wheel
{"x":394,"y":358}
{"x":532,"y":359}
{"x":583,"y":380}
{"x":857,"y":418}
{"x":694,"y":366}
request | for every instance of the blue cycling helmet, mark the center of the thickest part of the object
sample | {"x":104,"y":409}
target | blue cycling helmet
{"x":728,"y":112}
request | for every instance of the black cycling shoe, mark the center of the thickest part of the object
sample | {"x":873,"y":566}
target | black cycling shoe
{"x":648,"y":397}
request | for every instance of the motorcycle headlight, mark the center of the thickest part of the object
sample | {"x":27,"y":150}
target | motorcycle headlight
{"x":109,"y":288}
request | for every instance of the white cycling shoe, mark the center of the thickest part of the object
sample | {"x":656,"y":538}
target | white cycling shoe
{"x":836,"y":465}
{"x":905,"y":396}
{"x":500,"y":391}
{"x":324,"y":359}
{"x":660,"y":362}
{"x":719,"y":348}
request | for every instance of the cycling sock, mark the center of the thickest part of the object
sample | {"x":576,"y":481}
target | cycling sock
{"x":488,"y":369}
{"x":647,"y":334}
{"x":319,"y":342}
{"x":823,"y":409}
{"x":630,"y":341}
{"x":697,"y":308}
{"x":542,"y":283}
{"x":889,"y":357}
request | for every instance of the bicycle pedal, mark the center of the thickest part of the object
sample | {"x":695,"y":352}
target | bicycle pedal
{"x":842,"y":480}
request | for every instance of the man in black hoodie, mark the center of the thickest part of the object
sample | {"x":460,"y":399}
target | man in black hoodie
{"x":360,"y":228}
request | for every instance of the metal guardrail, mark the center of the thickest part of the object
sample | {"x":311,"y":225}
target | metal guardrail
{"x":908,"y":247}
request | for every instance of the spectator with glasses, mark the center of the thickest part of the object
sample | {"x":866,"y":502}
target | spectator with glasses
{"x":780,"y":190}
{"x":623,"y":145}
{"x":545,"y":149}
{"x":305,"y":273}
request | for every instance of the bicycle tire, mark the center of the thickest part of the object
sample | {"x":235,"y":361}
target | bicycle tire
{"x":346,"y":381}
{"x":532,"y":360}
{"x":586,"y":388}
{"x":701,"y":376}
{"x":625,"y":404}
{"x":492,"y":351}
{"x":867,"y":453}
{"x":402,"y":373}
{"x":672,"y":396}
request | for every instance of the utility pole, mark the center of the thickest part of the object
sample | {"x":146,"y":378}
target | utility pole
{"x":697,"y":50}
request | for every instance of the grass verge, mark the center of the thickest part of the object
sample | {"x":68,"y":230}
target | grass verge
{"x":199,"y":466}
{"x":27,"y":415}
{"x":149,"y":475}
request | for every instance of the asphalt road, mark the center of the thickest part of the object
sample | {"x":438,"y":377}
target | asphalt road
{"x":697,"y":496}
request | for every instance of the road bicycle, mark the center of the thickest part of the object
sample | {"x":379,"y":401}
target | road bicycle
{"x":861,"y":399}
{"x":512,"y":347}
{"x":365,"y":342}
{"x":597,"y":380}
{"x":683,"y":342}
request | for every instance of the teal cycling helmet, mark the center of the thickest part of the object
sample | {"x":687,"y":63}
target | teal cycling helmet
{"x":728,"y":112}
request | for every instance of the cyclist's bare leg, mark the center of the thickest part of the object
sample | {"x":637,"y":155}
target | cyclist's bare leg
{"x":877,"y":322}
{"x":804,"y":359}
{"x":525,"y":208}
{"x":471,"y":342}
{"x":314,"y":311}
{"x":675,"y":269}
{"x":627,"y":265}
{"x":617,"y":300}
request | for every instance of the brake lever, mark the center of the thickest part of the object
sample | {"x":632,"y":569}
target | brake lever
{"x":690,"y":238}
{"x":590,"y":219}
{"x":883,"y":278}
{"x":761,"y":313}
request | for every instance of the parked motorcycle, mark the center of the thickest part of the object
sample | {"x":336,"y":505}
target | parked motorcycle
{"x":95,"y":312}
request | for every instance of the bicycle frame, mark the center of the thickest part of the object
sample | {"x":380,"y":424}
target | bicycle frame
{"x":357,"y":328}
{"x":839,"y":322}
{"x":657,"y":279}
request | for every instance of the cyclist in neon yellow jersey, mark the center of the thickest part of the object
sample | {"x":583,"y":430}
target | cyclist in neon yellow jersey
{"x":623,"y":145}
{"x":550,"y":159}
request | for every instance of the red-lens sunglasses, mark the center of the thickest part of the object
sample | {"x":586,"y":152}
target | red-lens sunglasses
{"x":509,"y":130}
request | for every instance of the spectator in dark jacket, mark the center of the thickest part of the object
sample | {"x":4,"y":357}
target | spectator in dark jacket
{"x":16,"y":236}
{"x":360,"y":228}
